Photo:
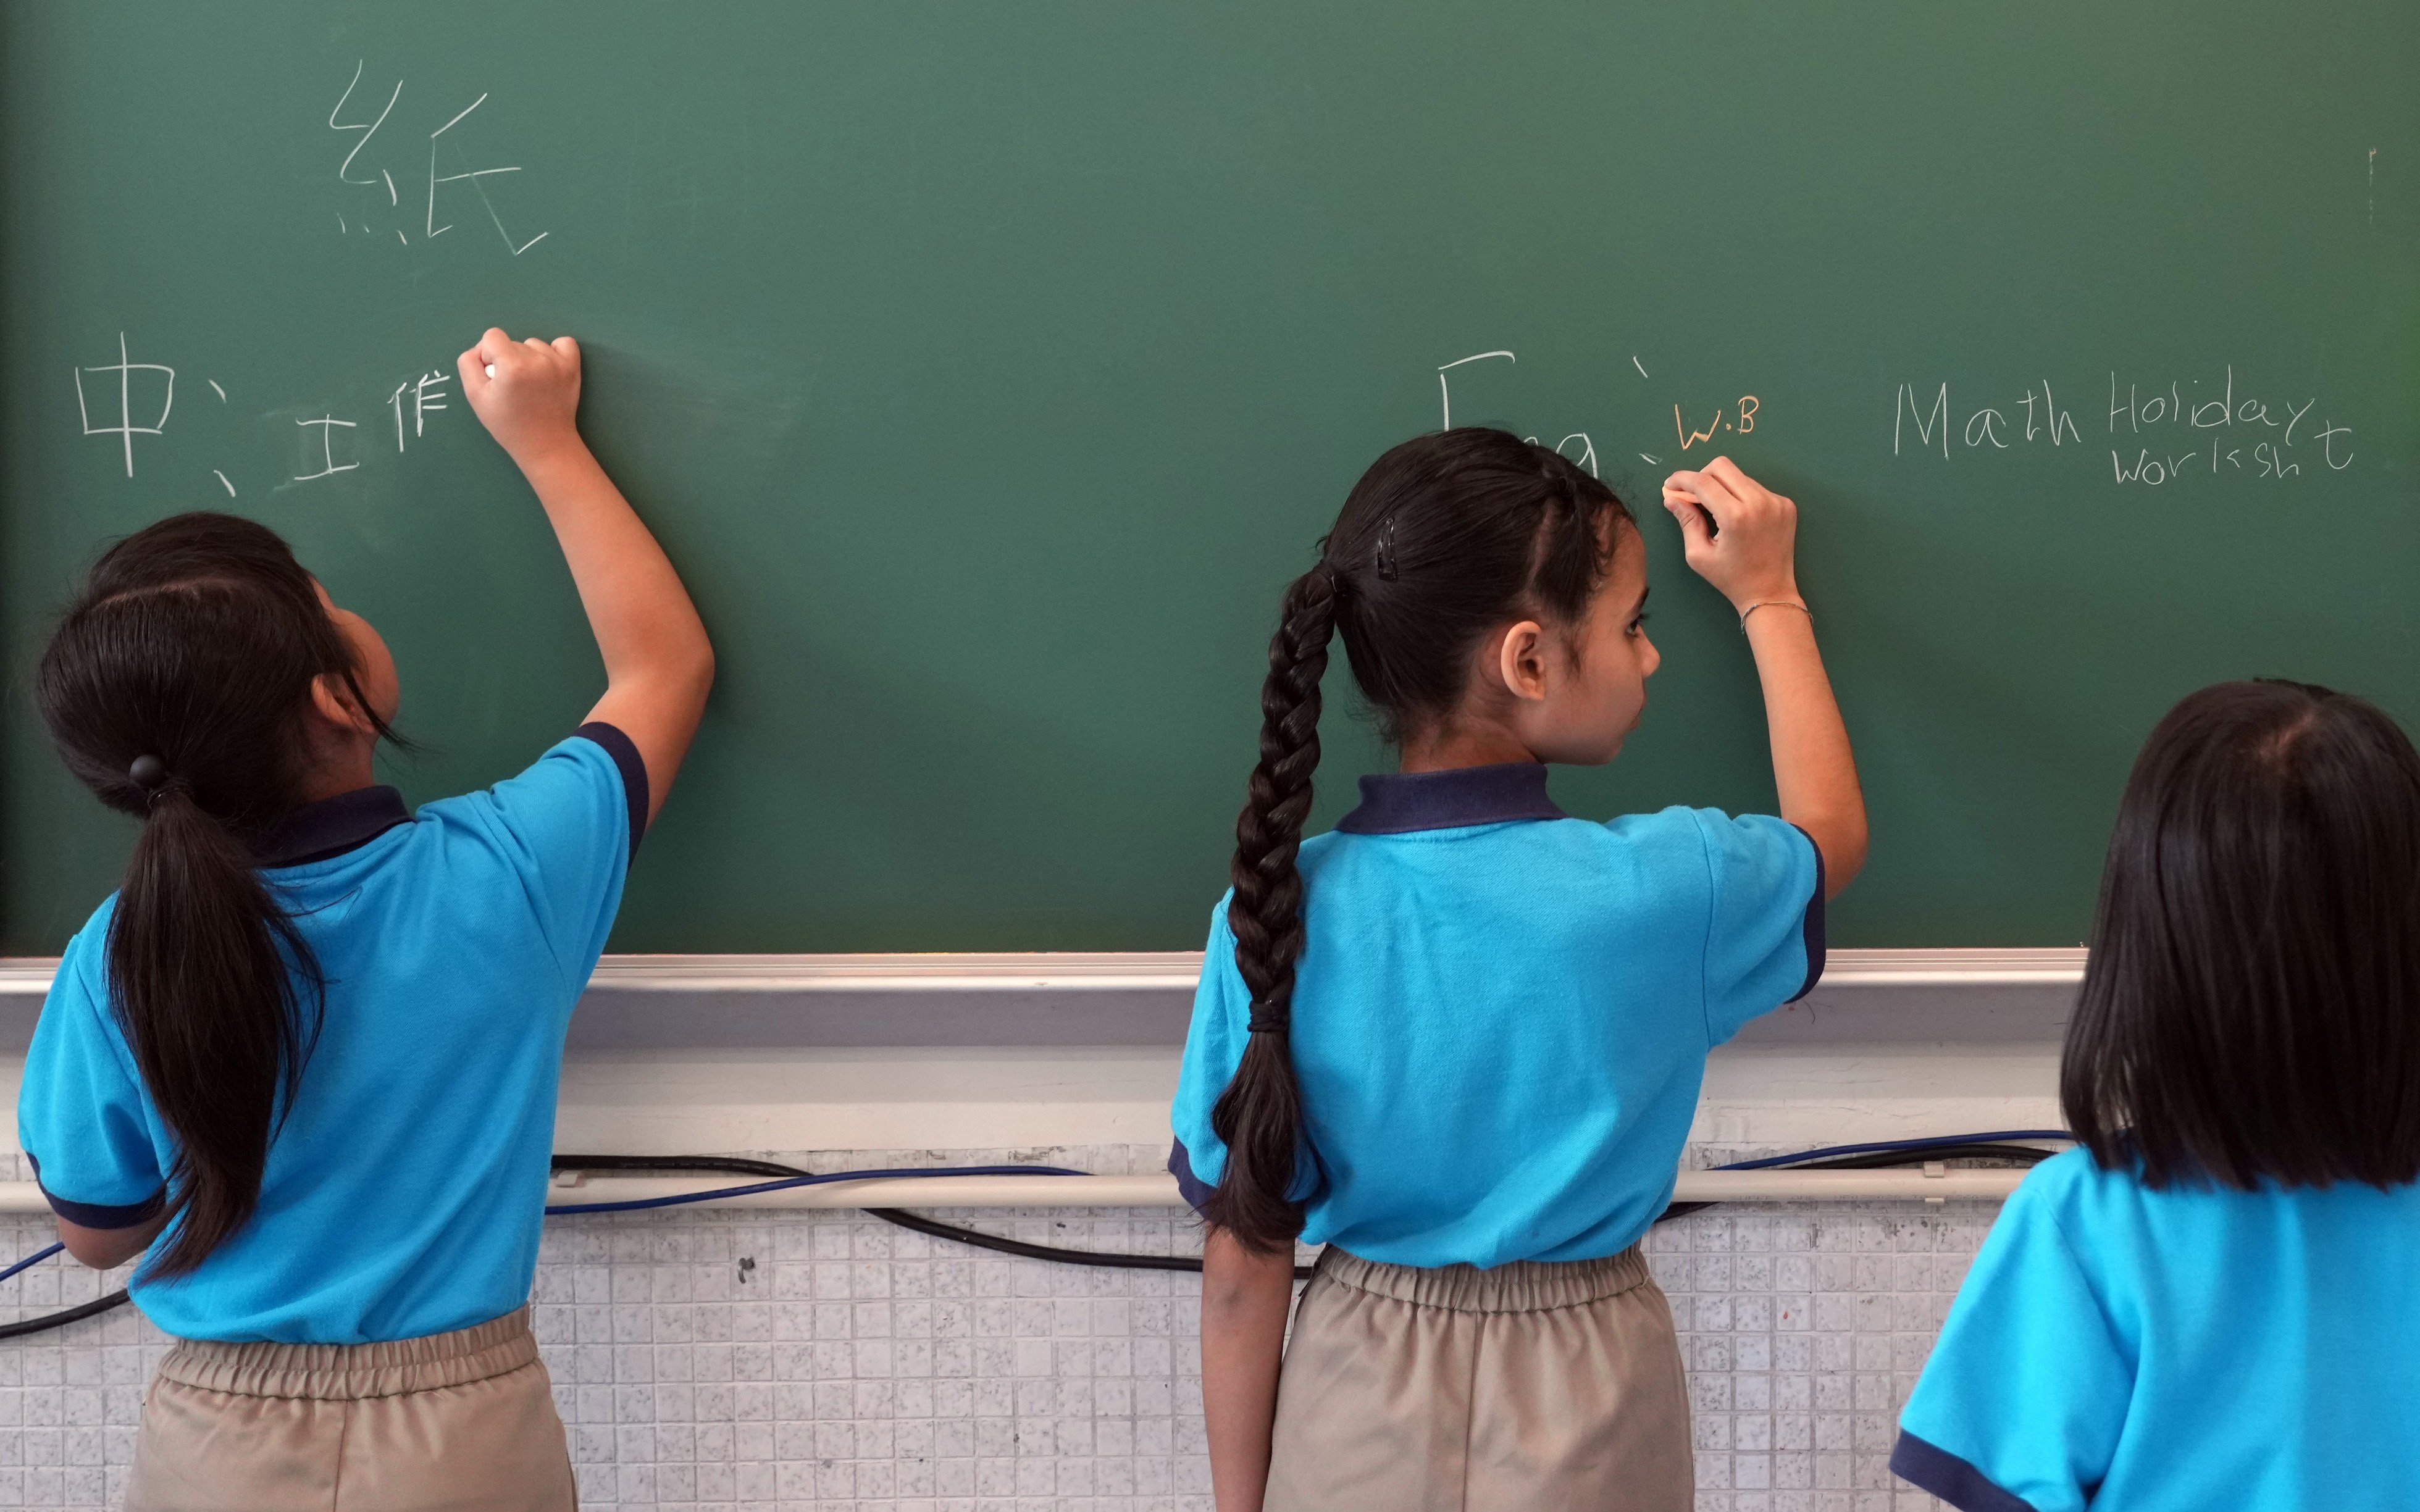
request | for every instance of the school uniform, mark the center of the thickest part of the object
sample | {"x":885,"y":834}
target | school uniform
{"x":1500,"y":1026}
{"x":2139,"y":1351}
{"x":364,"y":1341}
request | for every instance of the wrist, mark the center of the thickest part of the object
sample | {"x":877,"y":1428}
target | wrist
{"x":1783,"y":591}
{"x":549,"y":453}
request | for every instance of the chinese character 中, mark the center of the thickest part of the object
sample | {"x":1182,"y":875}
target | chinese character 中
{"x":126,"y":430}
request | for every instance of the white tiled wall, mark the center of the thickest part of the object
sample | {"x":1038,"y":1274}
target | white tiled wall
{"x":828,"y":1360}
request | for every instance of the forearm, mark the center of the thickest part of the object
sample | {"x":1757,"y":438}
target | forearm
{"x":1813,"y":767}
{"x":1244,"y":1297}
{"x":647,"y":628}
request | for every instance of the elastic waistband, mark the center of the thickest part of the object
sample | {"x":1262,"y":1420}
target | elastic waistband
{"x":349,"y":1372}
{"x":1520,"y":1287}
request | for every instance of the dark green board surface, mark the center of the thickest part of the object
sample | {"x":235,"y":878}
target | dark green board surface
{"x":988,"y":368}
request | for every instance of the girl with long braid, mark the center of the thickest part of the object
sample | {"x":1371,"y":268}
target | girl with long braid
{"x":1459,"y":1041}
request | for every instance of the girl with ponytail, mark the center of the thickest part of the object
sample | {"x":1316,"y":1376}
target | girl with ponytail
{"x":303,"y":1062}
{"x":1458,"y":1041}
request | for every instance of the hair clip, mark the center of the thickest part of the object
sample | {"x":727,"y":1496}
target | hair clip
{"x":1387,"y":550}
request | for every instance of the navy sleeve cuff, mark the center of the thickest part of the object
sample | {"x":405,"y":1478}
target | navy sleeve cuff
{"x":1934,"y":1469}
{"x":634,"y":773}
{"x":100,"y":1215}
{"x":1816,"y":946}
{"x":1195,"y":1191}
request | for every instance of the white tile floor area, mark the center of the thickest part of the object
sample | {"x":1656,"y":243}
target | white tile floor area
{"x":829,"y":1361}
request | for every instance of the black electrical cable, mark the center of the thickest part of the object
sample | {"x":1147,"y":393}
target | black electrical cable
{"x":2027,"y":1155}
{"x":976,"y":1237}
{"x":1906,"y":1154}
{"x":73,"y":1314}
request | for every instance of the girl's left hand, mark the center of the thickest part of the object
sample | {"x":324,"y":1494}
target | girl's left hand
{"x":526,"y":393}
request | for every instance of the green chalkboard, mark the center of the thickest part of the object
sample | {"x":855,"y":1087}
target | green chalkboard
{"x":988,"y":368}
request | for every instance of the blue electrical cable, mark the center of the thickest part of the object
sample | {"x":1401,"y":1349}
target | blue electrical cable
{"x":35,"y":1258}
{"x":683,"y":1199}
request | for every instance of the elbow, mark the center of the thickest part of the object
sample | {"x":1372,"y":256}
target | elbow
{"x":1839,"y":839}
{"x":1844,"y":855}
{"x":105,"y":1249}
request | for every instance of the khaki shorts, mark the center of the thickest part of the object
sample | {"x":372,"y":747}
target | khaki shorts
{"x":459,"y":1422}
{"x":1543,"y":1387}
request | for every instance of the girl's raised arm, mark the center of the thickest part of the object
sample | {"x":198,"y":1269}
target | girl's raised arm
{"x":658,"y":664}
{"x":1749,"y":553}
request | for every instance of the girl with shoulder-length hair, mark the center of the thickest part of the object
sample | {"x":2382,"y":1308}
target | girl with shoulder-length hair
{"x":2210,"y":1302}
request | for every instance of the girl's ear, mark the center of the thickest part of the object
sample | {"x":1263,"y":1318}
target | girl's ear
{"x":331,"y":699}
{"x":1521,"y":660}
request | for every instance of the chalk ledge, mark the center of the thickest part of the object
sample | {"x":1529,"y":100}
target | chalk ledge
{"x":730,"y":1002}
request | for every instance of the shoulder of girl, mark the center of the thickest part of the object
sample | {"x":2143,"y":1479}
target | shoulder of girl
{"x":2071,"y":1182}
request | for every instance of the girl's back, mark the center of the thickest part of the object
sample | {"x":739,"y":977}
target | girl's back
{"x":399,"y":1197}
{"x":1505,"y":1013}
{"x":2172,"y":1350}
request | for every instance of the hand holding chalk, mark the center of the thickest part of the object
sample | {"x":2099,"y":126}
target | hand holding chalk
{"x":1737,"y":535}
{"x":526,"y":393}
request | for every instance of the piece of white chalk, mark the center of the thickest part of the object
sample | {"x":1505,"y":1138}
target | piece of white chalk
{"x":491,"y":370}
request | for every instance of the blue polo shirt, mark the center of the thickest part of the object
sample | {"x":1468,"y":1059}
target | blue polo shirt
{"x":1502,"y":1013}
{"x":2139,"y":1351}
{"x":404,"y":1189}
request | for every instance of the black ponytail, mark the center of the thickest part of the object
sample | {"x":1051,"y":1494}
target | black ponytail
{"x":1444,"y":538}
{"x":176,"y":687}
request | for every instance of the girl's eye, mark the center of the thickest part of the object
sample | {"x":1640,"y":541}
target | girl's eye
{"x":1637,"y":624}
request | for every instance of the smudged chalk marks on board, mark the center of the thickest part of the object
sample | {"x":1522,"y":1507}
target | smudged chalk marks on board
{"x":126,"y":429}
{"x":1445,"y":394}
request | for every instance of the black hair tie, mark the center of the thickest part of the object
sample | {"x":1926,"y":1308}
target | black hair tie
{"x":150,"y":773}
{"x":1269,"y":1020}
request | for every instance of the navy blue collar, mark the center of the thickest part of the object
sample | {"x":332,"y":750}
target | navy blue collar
{"x":1398,"y":803}
{"x":332,"y":826}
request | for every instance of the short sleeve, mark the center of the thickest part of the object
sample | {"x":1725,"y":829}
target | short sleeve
{"x":1764,"y":934}
{"x":1213,"y":1047}
{"x":2020,"y":1405}
{"x":569,"y":826}
{"x":81,"y":1117}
